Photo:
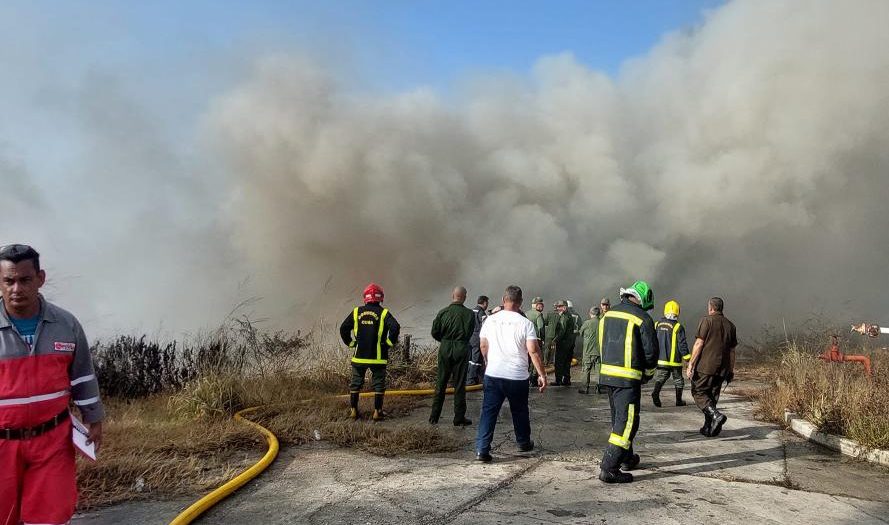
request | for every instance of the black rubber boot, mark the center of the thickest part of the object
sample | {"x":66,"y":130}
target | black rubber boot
{"x":656,"y":395}
{"x":679,"y":401}
{"x":353,"y":405}
{"x":718,"y":419}
{"x":378,"y":415}
{"x":708,"y":422}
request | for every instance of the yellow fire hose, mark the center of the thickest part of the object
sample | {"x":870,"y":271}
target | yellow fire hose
{"x":204,"y":504}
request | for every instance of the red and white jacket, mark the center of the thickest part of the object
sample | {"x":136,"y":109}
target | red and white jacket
{"x":37,"y":382}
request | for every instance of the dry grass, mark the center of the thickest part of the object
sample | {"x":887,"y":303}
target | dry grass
{"x":296,"y":424}
{"x":182,"y":441}
{"x":149,"y":454}
{"x":836,"y":397}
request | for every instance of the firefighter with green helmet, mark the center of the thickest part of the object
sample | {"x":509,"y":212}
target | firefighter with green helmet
{"x":538,"y":319}
{"x":673,"y":351}
{"x":629,"y":351}
{"x":371,"y":331}
{"x":589,"y":333}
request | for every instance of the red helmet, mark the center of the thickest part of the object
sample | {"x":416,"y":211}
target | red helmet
{"x":373,"y":293}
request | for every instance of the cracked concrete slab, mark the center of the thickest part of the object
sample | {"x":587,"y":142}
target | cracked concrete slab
{"x":753,"y":472}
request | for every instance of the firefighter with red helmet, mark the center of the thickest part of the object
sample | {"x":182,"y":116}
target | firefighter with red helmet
{"x":371,"y":331}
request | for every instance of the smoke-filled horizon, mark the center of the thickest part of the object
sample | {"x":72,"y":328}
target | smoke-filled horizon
{"x":746,"y":158}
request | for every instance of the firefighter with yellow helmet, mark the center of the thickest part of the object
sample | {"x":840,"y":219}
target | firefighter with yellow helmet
{"x":673,"y":351}
{"x":629,"y":351}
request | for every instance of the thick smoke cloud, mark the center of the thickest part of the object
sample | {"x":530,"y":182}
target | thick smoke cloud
{"x":747,"y":158}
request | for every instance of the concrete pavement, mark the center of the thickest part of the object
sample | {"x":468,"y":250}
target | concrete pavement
{"x":752,"y":473}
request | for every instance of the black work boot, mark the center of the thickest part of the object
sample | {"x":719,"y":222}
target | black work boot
{"x":656,"y":395}
{"x":631,"y":462}
{"x":718,"y":419}
{"x":353,"y":405}
{"x":610,"y":467}
{"x":615,"y":476}
{"x":679,"y":401}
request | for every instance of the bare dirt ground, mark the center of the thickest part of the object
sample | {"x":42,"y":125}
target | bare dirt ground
{"x":754,"y":472}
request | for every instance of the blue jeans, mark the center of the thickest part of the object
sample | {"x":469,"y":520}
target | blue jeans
{"x":498,"y":390}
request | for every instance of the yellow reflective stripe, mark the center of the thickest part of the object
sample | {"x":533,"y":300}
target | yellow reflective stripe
{"x":623,"y":315}
{"x":686,"y":357}
{"x":620,"y":371}
{"x":602,"y":333}
{"x":619,"y":441}
{"x":354,"y":343}
{"x":673,"y":344}
{"x":380,"y":335}
{"x":628,"y":347}
{"x":361,"y":361}
{"x":667,"y":363}
{"x":631,"y":414}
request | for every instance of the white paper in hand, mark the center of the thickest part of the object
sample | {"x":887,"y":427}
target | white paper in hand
{"x":80,"y":435}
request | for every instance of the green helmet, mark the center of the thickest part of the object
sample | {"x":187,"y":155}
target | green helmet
{"x":646,"y":296}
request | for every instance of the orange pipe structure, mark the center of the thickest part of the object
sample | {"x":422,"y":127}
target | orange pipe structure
{"x":834,"y":354}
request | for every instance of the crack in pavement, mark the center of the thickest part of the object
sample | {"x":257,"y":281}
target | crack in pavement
{"x":509,"y":480}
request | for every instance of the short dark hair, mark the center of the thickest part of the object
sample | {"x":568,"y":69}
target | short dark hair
{"x":717,"y":303}
{"x":513,"y":293}
{"x":16,"y":253}
{"x":482,"y":299}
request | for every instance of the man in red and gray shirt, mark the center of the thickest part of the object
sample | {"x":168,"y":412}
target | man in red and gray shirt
{"x":45,"y":365}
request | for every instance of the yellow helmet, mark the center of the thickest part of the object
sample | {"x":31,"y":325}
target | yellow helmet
{"x":671,"y":308}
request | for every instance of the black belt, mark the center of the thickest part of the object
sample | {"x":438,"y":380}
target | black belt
{"x":42,"y":428}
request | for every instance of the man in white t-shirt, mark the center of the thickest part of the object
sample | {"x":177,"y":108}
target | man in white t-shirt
{"x":508,"y":339}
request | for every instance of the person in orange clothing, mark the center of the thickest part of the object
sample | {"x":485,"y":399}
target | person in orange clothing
{"x":45,"y":364}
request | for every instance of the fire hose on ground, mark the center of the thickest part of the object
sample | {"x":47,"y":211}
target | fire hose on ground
{"x":196,"y":509}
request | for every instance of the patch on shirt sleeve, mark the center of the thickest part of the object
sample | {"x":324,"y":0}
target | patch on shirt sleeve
{"x":64,"y":347}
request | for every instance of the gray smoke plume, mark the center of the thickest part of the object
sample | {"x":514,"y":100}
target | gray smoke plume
{"x":746,"y":158}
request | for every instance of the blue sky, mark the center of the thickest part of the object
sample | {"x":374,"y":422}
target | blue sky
{"x":173,"y":57}
{"x":393,"y":44}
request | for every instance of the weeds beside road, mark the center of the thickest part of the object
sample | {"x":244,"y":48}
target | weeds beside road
{"x":169,"y":429}
{"x":836,"y":397}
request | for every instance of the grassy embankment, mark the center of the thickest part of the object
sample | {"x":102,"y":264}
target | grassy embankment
{"x":837,"y":397}
{"x":169,"y":429}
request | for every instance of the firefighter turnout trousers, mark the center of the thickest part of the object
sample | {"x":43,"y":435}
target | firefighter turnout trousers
{"x":625,"y":403}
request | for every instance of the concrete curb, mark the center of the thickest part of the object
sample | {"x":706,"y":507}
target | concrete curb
{"x":842,"y":445}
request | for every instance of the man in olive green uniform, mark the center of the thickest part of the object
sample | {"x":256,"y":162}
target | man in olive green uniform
{"x":551,"y":331}
{"x":453,"y":327}
{"x":560,"y":326}
{"x":535,"y":315}
{"x":589,"y":334}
